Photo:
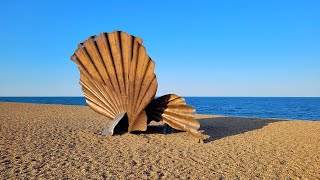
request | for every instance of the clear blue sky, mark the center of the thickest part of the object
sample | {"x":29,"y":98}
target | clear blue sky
{"x":201,"y":48}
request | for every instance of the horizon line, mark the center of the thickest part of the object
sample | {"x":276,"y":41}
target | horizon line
{"x":190,"y":96}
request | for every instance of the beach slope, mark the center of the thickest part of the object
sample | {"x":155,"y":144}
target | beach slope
{"x":58,"y":141}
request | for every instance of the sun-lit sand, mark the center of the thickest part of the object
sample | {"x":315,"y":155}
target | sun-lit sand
{"x":57,"y":141}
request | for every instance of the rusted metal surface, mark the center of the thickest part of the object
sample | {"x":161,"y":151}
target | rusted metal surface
{"x":117,"y":77}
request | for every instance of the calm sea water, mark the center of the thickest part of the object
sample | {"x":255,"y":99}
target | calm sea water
{"x":305,"y":108}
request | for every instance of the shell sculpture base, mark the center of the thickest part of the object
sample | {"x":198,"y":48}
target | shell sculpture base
{"x":118,"y":81}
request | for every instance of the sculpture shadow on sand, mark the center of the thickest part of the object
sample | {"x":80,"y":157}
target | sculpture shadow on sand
{"x":221,"y":127}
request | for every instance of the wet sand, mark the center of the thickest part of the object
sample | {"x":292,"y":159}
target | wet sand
{"x":57,"y":141}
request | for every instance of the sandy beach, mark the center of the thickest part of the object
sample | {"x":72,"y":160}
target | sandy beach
{"x":63,"y":142}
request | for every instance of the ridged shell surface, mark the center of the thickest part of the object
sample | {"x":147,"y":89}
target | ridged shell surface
{"x":173,"y":110}
{"x":117,"y":76}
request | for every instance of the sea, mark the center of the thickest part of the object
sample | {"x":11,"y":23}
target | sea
{"x":296,"y":108}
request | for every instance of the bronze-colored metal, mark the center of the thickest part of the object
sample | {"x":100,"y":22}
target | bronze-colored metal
{"x":117,"y":78}
{"x":173,"y":110}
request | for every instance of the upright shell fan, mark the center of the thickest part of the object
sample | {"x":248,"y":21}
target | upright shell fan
{"x":118,"y":81}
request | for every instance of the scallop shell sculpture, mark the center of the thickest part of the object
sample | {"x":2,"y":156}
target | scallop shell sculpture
{"x":118,"y":81}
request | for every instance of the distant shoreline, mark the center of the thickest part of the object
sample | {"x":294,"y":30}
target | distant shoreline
{"x":301,"y":108}
{"x":183,"y":96}
{"x":196,"y":115}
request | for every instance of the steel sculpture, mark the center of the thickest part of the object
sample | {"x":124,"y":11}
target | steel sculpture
{"x":118,"y":81}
